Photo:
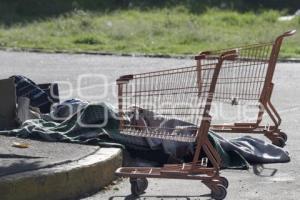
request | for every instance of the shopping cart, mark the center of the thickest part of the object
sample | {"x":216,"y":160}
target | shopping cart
{"x":185,"y":94}
{"x":248,"y":80}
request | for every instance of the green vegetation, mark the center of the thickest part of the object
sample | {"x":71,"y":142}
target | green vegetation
{"x":12,"y":11}
{"x":174,"y":30}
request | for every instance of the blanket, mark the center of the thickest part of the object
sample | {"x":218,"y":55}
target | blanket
{"x":98,"y":124}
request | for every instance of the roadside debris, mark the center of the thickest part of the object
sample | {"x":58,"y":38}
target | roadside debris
{"x":20,"y":145}
{"x":289,"y":17}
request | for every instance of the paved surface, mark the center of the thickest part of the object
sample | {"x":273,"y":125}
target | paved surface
{"x":38,"y":155}
{"x":53,"y":171}
{"x":285,"y":184}
{"x":90,"y":77}
{"x":68,"y":180}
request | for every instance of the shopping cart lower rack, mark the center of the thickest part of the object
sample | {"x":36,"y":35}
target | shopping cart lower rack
{"x":182,"y":93}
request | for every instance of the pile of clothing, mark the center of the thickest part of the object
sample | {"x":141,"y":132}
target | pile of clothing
{"x":78,"y":121}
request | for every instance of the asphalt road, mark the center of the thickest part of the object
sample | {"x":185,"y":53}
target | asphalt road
{"x":89,"y":77}
{"x":92,"y":77}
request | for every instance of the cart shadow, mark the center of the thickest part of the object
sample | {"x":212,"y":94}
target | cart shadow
{"x":131,"y":197}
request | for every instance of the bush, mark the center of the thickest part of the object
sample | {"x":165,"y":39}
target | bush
{"x":19,"y":10}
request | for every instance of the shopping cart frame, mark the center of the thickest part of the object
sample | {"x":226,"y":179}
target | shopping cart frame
{"x":209,"y":175}
{"x":272,"y":132}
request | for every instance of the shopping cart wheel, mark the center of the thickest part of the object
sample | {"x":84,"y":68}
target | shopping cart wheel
{"x":219,"y":193}
{"x":224,"y":181}
{"x":283,"y":135}
{"x":279,"y":141}
{"x":257,"y":169}
{"x":138,"y":186}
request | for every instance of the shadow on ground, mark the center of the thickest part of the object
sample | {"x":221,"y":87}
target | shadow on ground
{"x":19,"y":166}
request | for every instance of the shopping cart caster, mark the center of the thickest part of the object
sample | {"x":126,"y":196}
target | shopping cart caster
{"x":223,"y":181}
{"x":279,"y":141}
{"x":219,"y":192}
{"x":283,"y":135}
{"x":138,"y":186}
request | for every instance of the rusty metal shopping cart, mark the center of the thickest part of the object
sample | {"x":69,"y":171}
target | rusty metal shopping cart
{"x":248,"y":80}
{"x":185,"y":94}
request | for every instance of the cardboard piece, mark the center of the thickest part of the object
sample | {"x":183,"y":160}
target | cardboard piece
{"x":8,"y":110}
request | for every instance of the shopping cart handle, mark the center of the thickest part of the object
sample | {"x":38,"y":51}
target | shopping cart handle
{"x":229,"y":55}
{"x":288,"y":33}
{"x":125,"y":78}
{"x":202,"y":55}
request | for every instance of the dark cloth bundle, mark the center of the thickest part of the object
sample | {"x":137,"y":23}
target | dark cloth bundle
{"x":27,"y":88}
{"x":98,"y":124}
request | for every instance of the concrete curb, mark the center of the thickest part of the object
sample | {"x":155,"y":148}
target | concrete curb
{"x":282,"y":60}
{"x":67,"y":181}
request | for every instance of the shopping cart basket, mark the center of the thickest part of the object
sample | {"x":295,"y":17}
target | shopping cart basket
{"x":185,"y":94}
{"x":248,"y":80}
